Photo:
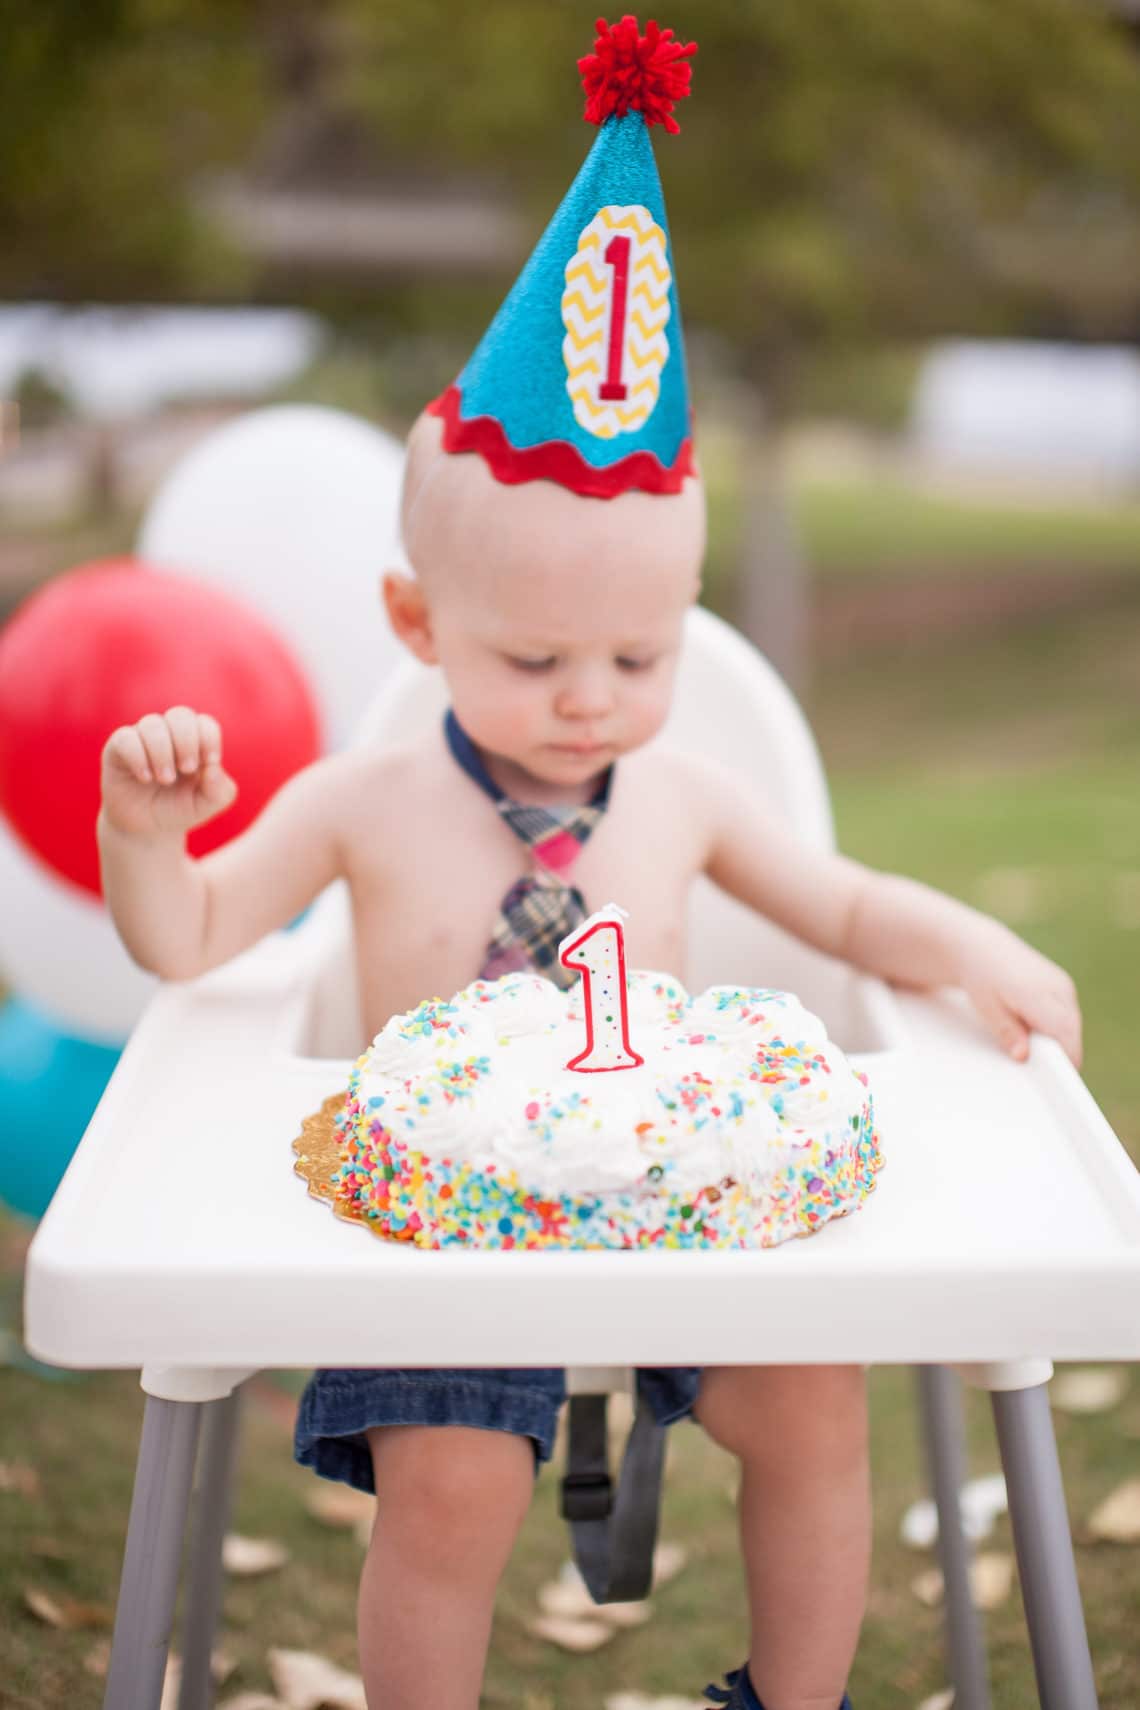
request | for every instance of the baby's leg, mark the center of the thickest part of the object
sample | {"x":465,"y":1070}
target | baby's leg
{"x":805,"y":1519}
{"x":450,"y":1501}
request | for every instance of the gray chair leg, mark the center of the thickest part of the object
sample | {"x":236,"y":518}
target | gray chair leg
{"x":944,"y":1434}
{"x":149,"y":1583}
{"x":216,"y":1460}
{"x":1044,"y":1547}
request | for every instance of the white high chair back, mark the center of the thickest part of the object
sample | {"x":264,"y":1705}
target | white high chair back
{"x":729,"y":702}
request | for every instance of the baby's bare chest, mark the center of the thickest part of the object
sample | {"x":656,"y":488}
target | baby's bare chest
{"x":427,"y":886}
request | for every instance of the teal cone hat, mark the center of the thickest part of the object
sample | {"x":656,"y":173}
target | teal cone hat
{"x":580,"y":378}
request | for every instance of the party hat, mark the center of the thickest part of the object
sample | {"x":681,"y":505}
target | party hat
{"x":580,"y":378}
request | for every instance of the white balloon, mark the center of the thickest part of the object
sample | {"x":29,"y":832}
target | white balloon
{"x":60,"y":951}
{"x":296,"y":508}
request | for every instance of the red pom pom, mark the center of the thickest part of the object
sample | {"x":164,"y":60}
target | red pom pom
{"x":646,"y":72}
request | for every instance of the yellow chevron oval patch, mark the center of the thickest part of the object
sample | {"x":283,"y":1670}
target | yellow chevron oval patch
{"x":615,"y":307}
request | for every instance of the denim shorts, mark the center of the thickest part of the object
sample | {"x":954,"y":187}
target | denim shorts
{"x":337,"y":1407}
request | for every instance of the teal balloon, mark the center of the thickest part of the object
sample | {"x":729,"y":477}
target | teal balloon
{"x":49,"y":1087}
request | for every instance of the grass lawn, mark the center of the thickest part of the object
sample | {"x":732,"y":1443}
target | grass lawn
{"x":1003,"y":771}
{"x":883,"y":523}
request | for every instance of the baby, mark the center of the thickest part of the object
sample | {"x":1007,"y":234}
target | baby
{"x":556,"y":622}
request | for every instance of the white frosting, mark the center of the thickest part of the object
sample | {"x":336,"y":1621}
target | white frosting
{"x":734,"y":1083}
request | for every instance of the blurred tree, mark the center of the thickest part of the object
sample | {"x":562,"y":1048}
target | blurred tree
{"x":40,"y":400}
{"x":109,"y":111}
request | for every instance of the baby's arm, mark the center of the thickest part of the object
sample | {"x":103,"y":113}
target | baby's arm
{"x":178,"y":916}
{"x":892,"y":926}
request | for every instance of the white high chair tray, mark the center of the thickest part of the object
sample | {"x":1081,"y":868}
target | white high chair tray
{"x":1005,"y":1224}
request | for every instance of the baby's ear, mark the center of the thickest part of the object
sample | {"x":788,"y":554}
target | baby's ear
{"x":408,"y":613}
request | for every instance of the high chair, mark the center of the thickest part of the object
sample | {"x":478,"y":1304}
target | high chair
{"x":1004,"y":1231}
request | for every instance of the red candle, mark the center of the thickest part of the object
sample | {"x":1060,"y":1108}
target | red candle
{"x":597,"y":951}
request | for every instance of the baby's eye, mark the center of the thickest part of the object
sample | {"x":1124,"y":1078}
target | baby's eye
{"x":625,"y":664}
{"x":531,"y":664}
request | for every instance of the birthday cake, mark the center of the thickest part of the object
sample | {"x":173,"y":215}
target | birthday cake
{"x":740,"y":1124}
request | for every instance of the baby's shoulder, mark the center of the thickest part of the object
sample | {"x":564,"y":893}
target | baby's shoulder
{"x":691,"y":782}
{"x":367,"y":782}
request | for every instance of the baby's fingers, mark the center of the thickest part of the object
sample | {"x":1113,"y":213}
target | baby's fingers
{"x":182,"y":725}
{"x":124,"y":750}
{"x":158,"y":745}
{"x":209,"y":739}
{"x":214,"y":790}
{"x":1007,"y":1028}
{"x":1058,"y":1013}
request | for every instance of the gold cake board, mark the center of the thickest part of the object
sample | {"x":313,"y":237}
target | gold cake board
{"x":319,"y":1155}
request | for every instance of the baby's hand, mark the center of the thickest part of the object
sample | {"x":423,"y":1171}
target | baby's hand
{"x":164,"y":774}
{"x":1017,"y":990}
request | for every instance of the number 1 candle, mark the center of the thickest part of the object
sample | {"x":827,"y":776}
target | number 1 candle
{"x":596,"y":950}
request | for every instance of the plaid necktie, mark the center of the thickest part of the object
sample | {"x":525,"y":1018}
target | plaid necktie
{"x":542,"y":907}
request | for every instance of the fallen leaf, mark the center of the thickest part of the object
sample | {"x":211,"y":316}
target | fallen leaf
{"x":340,"y":1506}
{"x":668,"y":1561}
{"x":98,"y":1659}
{"x":48,"y":1549}
{"x":642,"y":1701}
{"x":171,"y":1683}
{"x":66,"y":1612}
{"x":568,"y":1596}
{"x":991,"y":1580}
{"x":939,"y":1701}
{"x":928,"y":1587}
{"x":1117,"y":1520}
{"x":979,"y":1504}
{"x":980,"y":1501}
{"x":222,"y":1665}
{"x":247,"y":1557}
{"x":918,"y":1527}
{"x":1093,"y":1389}
{"x":571,"y":1635}
{"x":19,"y":1478}
{"x":307,"y":1682}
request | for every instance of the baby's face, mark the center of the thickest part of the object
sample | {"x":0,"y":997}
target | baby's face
{"x":556,"y":620}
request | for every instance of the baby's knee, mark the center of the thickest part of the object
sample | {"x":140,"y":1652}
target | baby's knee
{"x":449,"y":1481}
{"x":786,"y":1415}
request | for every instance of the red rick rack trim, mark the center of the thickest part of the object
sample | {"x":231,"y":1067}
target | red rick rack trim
{"x":555,"y":459}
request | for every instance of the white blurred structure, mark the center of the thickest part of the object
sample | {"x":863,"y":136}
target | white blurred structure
{"x":114,"y":362}
{"x":1015,"y":407}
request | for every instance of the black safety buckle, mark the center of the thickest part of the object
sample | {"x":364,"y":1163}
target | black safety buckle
{"x":587,"y":1496}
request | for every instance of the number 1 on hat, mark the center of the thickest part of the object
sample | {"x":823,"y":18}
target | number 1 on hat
{"x":617,"y":256}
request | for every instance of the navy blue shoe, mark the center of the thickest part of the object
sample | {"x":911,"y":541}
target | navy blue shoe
{"x":738,"y":1693}
{"x":731,"y":1694}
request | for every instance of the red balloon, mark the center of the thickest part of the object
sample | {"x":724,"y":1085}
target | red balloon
{"x":104,"y":644}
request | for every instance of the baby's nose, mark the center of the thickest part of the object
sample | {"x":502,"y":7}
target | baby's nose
{"x":587,"y":694}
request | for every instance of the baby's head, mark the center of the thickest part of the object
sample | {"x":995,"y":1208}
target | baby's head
{"x":556,"y":619}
